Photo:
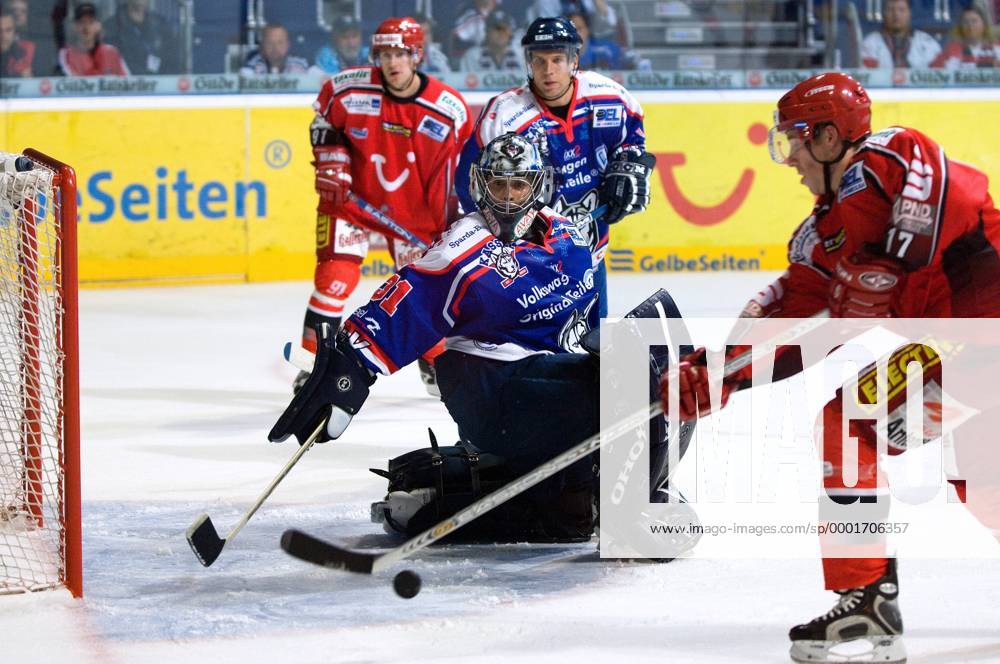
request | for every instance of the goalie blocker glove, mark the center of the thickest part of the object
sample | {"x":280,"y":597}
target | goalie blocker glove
{"x":625,"y":188}
{"x":335,"y":391}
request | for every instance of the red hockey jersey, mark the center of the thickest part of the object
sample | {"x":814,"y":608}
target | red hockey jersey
{"x":403,"y":151}
{"x":901,"y":197}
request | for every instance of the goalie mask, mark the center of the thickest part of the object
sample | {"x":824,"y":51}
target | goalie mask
{"x":510,"y":181}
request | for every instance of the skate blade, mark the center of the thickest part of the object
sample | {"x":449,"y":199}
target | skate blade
{"x":883,"y":649}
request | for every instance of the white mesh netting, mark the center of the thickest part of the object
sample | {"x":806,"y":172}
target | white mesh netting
{"x":31,"y":382}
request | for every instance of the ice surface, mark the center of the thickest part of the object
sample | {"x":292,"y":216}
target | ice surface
{"x":180,"y":386}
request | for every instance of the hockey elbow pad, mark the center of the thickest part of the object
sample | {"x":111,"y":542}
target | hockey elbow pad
{"x":335,"y":391}
{"x":625,"y":188}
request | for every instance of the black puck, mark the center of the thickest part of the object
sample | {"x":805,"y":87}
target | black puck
{"x":406,"y":584}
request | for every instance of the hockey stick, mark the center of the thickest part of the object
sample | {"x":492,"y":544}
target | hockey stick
{"x":385,"y":220}
{"x":202,"y":535}
{"x":327,"y":554}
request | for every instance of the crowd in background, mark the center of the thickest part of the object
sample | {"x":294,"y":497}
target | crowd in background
{"x":133,"y":40}
{"x":53,"y":37}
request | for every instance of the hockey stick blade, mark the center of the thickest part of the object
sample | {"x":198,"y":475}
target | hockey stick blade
{"x":325,"y":554}
{"x":204,"y":540}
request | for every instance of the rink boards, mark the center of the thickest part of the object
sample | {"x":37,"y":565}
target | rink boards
{"x":219,"y":188}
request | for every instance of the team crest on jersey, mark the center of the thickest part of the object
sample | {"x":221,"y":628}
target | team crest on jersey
{"x":438,"y":131}
{"x":576,"y":327}
{"x":577,"y":213}
{"x":501,"y":258}
{"x":607,"y":115}
{"x":852,"y":182}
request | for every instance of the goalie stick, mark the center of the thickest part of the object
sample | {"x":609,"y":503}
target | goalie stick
{"x":328,"y":554}
{"x":202,"y":535}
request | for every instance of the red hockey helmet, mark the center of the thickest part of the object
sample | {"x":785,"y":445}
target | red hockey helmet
{"x":831,"y":98}
{"x":399,"y":32}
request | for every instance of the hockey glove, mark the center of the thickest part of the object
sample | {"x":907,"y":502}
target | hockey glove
{"x":333,"y":175}
{"x":332,"y":162}
{"x":693,"y":384}
{"x":335,"y":391}
{"x":865,"y":286}
{"x":625,"y":188}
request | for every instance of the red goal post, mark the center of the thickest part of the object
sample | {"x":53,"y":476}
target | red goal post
{"x":40,"y":533}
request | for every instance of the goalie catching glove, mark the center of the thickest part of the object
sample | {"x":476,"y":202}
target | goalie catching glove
{"x":625,"y":189}
{"x":332,"y":162}
{"x":865,"y":286}
{"x":335,"y":391}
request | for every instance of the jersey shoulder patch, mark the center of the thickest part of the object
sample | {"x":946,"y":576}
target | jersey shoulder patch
{"x":349,"y":77}
{"x":883,"y":137}
{"x":452,"y":104}
{"x":508,"y":111}
{"x":804,"y":240}
{"x":852,"y":181}
{"x":464,"y":236}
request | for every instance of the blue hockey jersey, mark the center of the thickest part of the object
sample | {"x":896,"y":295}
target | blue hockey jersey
{"x":484,"y":297}
{"x":603,"y":118}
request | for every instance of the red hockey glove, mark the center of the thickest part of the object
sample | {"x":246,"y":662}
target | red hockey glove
{"x":865,"y":286}
{"x":693,"y":384}
{"x":333,"y":174}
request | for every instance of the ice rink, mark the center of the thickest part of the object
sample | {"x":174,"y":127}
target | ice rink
{"x":179,"y":389}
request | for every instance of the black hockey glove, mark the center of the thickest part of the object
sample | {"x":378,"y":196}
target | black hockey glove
{"x":625,"y":188}
{"x":334,"y":392}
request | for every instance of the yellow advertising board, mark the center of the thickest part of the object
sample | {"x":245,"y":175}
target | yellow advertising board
{"x":224,"y":192}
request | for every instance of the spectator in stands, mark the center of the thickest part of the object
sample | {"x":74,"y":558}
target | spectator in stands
{"x":346,"y":48}
{"x":600,"y":14}
{"x":16,"y":54}
{"x":89,"y":56}
{"x":973,"y":44}
{"x":272,"y":55}
{"x":897,"y":44}
{"x":147,"y":41}
{"x":498,"y":52}
{"x":435,"y":61}
{"x":470,"y":27}
{"x":599,"y":53}
{"x":34,"y":23}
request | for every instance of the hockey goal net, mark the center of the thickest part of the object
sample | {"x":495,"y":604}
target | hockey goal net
{"x":39,"y":396}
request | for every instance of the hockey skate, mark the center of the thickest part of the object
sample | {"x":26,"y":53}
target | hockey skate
{"x":429,"y":377}
{"x":864,"y":626}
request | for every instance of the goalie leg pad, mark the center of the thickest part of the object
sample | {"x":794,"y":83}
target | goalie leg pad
{"x":660,"y":305}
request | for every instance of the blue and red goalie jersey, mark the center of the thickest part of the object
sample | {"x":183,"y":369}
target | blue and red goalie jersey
{"x":484,"y":297}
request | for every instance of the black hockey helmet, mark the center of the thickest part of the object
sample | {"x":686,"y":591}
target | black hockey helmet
{"x":552,"y":33}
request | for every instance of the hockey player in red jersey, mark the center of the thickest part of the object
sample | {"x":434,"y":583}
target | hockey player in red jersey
{"x":390,"y":135}
{"x":897,"y":230}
